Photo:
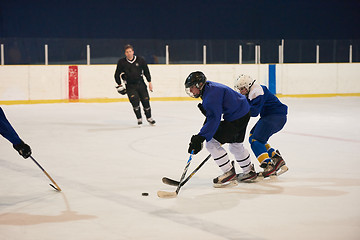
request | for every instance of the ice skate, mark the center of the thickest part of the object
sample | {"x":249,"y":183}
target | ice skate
{"x":151,"y":121}
{"x":269,"y":169}
{"x":249,"y":176}
{"x":139,"y":122}
{"x":279,"y":163}
{"x":226,"y":179}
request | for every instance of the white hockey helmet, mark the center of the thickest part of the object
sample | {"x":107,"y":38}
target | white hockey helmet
{"x":243,"y":81}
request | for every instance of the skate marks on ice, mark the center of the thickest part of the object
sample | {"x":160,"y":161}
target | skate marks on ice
{"x":16,"y":218}
{"x":319,"y":187}
{"x":97,"y":126}
{"x":12,"y":207}
{"x":305,"y":187}
{"x":169,"y":214}
{"x":322,"y":137}
{"x":221,"y":231}
{"x":228,"y":198}
{"x":148,"y":145}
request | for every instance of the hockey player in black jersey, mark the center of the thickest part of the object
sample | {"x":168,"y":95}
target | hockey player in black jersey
{"x":129,"y":72}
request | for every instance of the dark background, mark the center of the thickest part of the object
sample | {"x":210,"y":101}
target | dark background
{"x":222,"y":25}
{"x":226,"y":19}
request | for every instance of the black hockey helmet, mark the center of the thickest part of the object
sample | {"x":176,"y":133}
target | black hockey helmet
{"x":196,"y":79}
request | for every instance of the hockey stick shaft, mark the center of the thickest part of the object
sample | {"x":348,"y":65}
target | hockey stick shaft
{"x":52,"y":180}
{"x":164,"y":194}
{"x":184,"y":173}
{"x":174,"y":182}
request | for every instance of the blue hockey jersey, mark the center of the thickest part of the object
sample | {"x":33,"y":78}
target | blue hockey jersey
{"x":220,"y":101}
{"x":6,"y":130}
{"x":263,"y":102}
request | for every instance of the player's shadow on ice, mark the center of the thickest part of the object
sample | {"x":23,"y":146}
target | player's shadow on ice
{"x":22,"y":219}
{"x":228,"y":198}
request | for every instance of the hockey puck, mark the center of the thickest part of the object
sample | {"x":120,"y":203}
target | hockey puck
{"x":145,"y":194}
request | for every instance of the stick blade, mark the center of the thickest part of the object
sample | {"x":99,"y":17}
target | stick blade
{"x":164,"y":194}
{"x":57,"y":189}
{"x":169,"y":181}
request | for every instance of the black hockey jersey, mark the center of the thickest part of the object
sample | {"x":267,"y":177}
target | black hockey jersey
{"x":133,"y":70}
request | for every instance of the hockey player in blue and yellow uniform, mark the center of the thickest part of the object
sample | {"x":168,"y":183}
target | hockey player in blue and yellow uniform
{"x":8,"y":132}
{"x":220,"y":101}
{"x":273,"y":116}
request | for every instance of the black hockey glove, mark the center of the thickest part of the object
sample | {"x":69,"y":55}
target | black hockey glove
{"x":202,"y":109}
{"x":196,"y":143}
{"x":121,"y":89}
{"x":23,"y":149}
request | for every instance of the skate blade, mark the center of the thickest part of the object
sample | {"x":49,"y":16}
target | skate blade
{"x":282,"y":170}
{"x":261,"y":177}
{"x":231,"y":183}
{"x":249,"y":180}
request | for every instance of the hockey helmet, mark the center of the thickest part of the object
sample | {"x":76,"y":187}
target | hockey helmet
{"x":243,"y":81}
{"x":196,"y":79}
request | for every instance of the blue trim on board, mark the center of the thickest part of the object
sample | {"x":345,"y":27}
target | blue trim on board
{"x":272,"y":78}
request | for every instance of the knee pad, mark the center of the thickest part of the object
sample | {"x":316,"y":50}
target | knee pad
{"x":238,"y":150}
{"x":212,"y":144}
{"x":134,"y":100}
{"x":236,"y":147}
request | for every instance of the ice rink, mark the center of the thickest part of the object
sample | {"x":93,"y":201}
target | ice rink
{"x":103,"y":162}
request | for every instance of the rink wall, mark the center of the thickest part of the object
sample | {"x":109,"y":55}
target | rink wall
{"x":32,"y":84}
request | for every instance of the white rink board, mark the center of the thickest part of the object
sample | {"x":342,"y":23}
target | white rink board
{"x":14,"y":83}
{"x":97,"y":81}
{"x":318,"y":78}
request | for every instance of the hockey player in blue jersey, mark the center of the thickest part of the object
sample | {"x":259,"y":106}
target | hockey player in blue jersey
{"x":272,"y":120}
{"x":8,"y":132}
{"x":220,"y":101}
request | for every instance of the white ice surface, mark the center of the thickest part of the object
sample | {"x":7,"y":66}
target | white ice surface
{"x":103,"y":162}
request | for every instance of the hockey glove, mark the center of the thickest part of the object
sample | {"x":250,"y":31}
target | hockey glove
{"x":121,"y":89}
{"x":202,"y":109}
{"x":196,"y":143}
{"x":23,"y":149}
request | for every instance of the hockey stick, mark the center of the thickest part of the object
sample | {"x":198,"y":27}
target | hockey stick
{"x":164,"y":194}
{"x":57,"y":188}
{"x":172,"y":182}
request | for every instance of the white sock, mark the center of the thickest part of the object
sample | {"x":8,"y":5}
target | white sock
{"x":219,"y":154}
{"x":242,"y":156}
